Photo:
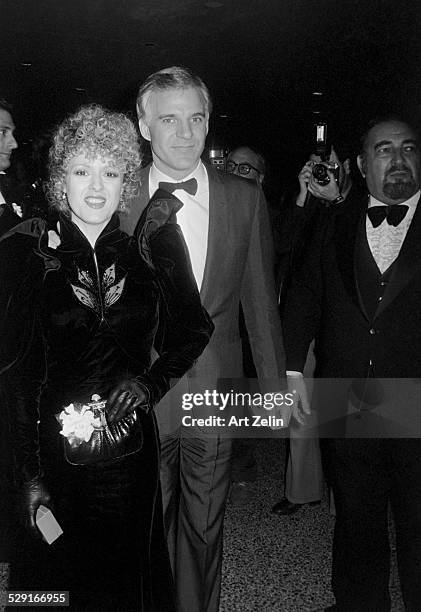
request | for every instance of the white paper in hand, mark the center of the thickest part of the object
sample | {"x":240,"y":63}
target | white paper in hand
{"x":48,"y":525}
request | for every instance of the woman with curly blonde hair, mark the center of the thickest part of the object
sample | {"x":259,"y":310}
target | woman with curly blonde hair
{"x":80,"y":330}
{"x":100,"y":133}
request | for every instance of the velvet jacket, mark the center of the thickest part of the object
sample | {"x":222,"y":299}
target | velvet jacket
{"x":81,"y":319}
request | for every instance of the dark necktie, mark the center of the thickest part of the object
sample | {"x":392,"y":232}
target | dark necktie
{"x":394,"y":214}
{"x":190,"y":186}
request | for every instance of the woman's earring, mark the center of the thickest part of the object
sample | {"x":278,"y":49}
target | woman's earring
{"x":121,"y":204}
{"x":63,"y":195}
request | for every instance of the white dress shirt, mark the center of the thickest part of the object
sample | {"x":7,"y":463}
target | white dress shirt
{"x":2,"y":200}
{"x":385,"y":241}
{"x":193,"y":218}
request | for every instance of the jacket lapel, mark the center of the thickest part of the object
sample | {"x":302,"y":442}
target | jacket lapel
{"x":138,"y":204}
{"x":217,"y":234}
{"x":348,"y":228}
{"x":361,"y":248}
{"x":407,"y":263}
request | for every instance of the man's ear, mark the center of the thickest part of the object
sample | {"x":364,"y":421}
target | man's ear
{"x":144,"y":129}
{"x":207,"y":123}
{"x":347,"y":166}
{"x":362,"y":165}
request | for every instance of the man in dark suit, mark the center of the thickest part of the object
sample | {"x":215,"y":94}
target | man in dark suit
{"x":8,"y":219}
{"x":249,"y":164}
{"x":10,"y":213}
{"x":226,"y":228}
{"x":313,"y":203}
{"x":359,"y":295}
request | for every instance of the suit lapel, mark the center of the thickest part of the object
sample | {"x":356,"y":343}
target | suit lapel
{"x":349,"y":226}
{"x":139,"y":203}
{"x":407,"y":263}
{"x":361,"y":247}
{"x":217,"y":234}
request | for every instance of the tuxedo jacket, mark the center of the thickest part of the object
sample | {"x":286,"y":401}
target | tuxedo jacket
{"x":238,"y":268}
{"x":12,"y":192}
{"x":8,"y":218}
{"x":328,"y":301}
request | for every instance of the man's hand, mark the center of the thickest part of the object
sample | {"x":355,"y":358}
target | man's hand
{"x":301,"y":407}
{"x":304,"y":179}
{"x":308,"y":183}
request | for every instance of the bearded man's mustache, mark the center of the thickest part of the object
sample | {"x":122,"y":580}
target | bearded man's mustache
{"x":396,"y":168}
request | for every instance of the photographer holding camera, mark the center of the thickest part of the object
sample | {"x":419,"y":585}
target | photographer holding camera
{"x":329,"y":180}
{"x":325,"y":188}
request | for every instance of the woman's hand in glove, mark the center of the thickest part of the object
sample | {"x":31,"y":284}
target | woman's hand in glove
{"x":33,"y":495}
{"x":126,"y":396}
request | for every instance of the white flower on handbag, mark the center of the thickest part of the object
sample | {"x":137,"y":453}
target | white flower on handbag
{"x":80,"y":420}
{"x":17,"y":208}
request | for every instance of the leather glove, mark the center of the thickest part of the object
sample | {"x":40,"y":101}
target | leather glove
{"x":126,"y":396}
{"x":33,"y":494}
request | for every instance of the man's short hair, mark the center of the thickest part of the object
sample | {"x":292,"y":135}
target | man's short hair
{"x":344,"y":149}
{"x":174,"y":77}
{"x":389,"y":118}
{"x":4,"y":105}
{"x":262,"y":160}
{"x":260,"y":157}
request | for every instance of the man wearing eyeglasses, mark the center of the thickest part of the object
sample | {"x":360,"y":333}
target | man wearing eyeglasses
{"x":247,"y":163}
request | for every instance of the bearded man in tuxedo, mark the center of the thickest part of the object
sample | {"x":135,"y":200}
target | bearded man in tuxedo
{"x":226,"y":228}
{"x":359,"y":293}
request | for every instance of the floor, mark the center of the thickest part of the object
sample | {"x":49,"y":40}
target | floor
{"x":276,"y":563}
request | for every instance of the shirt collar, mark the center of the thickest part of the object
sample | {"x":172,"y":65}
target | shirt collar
{"x":411,"y":202}
{"x":156,"y":176}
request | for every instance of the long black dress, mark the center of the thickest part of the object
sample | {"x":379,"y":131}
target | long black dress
{"x":80,"y":320}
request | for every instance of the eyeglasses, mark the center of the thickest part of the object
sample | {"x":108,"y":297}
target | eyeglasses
{"x":242,"y":168}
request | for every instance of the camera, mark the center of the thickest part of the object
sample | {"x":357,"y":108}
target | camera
{"x":320,"y":174}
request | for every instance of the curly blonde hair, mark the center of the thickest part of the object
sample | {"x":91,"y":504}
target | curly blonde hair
{"x":95,"y":131}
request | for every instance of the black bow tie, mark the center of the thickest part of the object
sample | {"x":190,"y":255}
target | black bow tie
{"x":190,"y":186}
{"x":394,"y":214}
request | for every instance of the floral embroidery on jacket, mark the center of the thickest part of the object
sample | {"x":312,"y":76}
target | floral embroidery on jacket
{"x":98,"y":299}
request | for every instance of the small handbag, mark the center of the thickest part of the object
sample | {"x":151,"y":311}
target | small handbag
{"x":89,"y":439}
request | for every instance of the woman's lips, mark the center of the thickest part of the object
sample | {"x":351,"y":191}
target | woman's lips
{"x":95,"y":201}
